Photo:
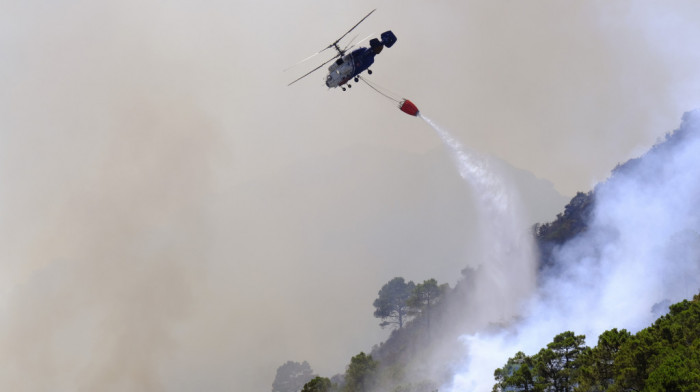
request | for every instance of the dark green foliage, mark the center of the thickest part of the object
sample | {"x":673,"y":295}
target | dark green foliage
{"x":597,"y":371}
{"x":677,"y":372}
{"x":359,"y":376}
{"x":571,"y":222}
{"x":424,"y":296}
{"x":567,"y":348}
{"x":404,"y":357}
{"x":391,"y":304}
{"x":318,"y":384}
{"x":552,"y":369}
{"x":292,"y":376}
{"x":663,"y":357}
{"x":516,"y":375}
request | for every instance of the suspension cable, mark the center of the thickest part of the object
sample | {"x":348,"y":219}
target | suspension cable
{"x":377,"y":90}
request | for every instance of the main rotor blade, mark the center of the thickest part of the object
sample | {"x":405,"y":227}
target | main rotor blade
{"x":351,"y":45}
{"x":353,"y":28}
{"x":304,"y":60}
{"x":334,"y":44}
{"x":350,"y":42}
{"x":314,"y":70}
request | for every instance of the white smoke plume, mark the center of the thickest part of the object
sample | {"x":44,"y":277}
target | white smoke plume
{"x":640,"y":253}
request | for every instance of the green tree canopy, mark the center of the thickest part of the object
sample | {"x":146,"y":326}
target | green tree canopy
{"x":391,"y":304}
{"x":424,"y":296}
{"x":317,"y":384}
{"x":597,"y":365}
{"x":516,"y":375}
{"x":563,"y":361}
{"x":359,"y":376}
{"x":664,"y":357}
{"x":553,"y":368}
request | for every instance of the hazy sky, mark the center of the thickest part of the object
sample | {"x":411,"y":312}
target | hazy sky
{"x":173,"y":216}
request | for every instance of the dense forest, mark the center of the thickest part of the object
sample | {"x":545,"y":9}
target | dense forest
{"x":663,"y":357}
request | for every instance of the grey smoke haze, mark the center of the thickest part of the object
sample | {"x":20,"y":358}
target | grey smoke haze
{"x":640,"y":253}
{"x":173,"y":217}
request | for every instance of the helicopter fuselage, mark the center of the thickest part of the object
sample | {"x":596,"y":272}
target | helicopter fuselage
{"x":349,"y":66}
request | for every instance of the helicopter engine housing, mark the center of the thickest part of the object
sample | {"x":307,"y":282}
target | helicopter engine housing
{"x":388,"y":38}
{"x":376,"y":45}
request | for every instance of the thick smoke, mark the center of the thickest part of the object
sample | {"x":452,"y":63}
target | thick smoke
{"x":162,"y":221}
{"x":640,"y":253}
{"x":105,"y":172}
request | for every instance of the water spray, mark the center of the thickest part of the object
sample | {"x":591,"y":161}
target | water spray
{"x":507,"y":263}
{"x":505,"y":270}
{"x":504,"y":265}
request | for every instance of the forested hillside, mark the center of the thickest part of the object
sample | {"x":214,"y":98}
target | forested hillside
{"x":662,"y":357}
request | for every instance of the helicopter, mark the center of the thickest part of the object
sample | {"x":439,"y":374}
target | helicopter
{"x":349,"y":66}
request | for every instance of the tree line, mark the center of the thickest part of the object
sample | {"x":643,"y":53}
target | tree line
{"x":397,"y":303}
{"x":664,"y":357}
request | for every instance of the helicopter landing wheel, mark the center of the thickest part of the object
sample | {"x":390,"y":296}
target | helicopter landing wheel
{"x":369,"y":71}
{"x":344,"y":88}
{"x":349,"y":85}
{"x":357,"y":79}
